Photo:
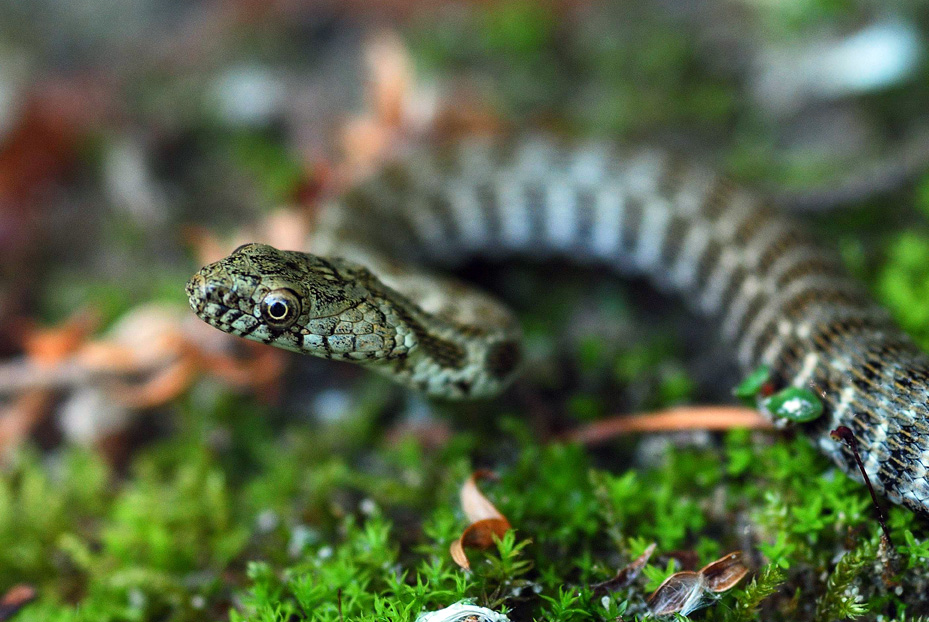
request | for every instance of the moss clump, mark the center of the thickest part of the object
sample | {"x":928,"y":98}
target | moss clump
{"x":903,"y":285}
{"x":295,"y":520}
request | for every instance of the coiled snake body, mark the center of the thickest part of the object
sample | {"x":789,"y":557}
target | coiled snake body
{"x":779,"y":299}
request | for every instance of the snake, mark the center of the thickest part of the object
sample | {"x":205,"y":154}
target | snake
{"x":375,"y":289}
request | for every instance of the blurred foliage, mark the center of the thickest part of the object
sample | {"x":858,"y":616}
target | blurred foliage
{"x":903,"y":284}
{"x":251,"y":512}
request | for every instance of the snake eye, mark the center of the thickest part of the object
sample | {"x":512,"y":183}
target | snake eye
{"x":280,"y":308}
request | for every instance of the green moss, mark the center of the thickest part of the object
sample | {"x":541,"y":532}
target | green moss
{"x":840,"y":602}
{"x":193,"y":530}
{"x":764,"y":584}
{"x":903,"y":284}
{"x":40,"y":505}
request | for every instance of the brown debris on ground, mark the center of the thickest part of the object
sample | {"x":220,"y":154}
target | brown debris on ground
{"x":147,"y":359}
{"x":714,"y":418}
{"x":626,"y":575}
{"x":684,"y":592}
{"x":487,"y":523}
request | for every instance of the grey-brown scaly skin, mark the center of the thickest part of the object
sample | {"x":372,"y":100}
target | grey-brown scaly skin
{"x":337,"y":309}
{"x":778,"y":297}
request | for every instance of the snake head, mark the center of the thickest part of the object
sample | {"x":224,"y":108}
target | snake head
{"x":299,"y":302}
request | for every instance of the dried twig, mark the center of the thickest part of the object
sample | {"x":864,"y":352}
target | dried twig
{"x":675,"y":419}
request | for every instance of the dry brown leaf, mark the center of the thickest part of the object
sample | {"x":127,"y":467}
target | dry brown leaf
{"x":398,"y":111}
{"x":684,"y":592}
{"x":206,"y":245}
{"x":390,"y":77}
{"x":486,"y":520}
{"x":260,"y":366}
{"x":479,"y":535}
{"x":364,"y":142}
{"x":148,"y":358}
{"x":286,"y":228}
{"x":458,"y":554}
{"x":626,"y":574}
{"x":45,"y":350}
{"x":369,"y":138}
{"x":681,"y":592}
{"x":724,"y":573}
{"x":473,"y":502}
{"x":159,"y":388}
{"x":49,"y":346}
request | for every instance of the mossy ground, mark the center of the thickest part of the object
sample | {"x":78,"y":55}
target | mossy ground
{"x":285,"y":520}
{"x":244,"y":510}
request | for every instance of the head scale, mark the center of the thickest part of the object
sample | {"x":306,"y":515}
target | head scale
{"x":292,"y":300}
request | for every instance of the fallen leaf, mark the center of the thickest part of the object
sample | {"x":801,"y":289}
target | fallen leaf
{"x":626,"y":574}
{"x":49,"y":346}
{"x":486,"y":520}
{"x":22,"y":416}
{"x":681,"y":593}
{"x":160,"y":388}
{"x":286,"y":228}
{"x":398,"y":110}
{"x":684,"y":592}
{"x":724,"y":573}
{"x":147,"y":358}
{"x":475,"y":505}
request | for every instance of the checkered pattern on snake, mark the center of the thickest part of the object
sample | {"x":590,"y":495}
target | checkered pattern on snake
{"x":778,"y":297}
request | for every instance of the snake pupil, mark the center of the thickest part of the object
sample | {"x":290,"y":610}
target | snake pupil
{"x":277,"y":310}
{"x":280,"y":308}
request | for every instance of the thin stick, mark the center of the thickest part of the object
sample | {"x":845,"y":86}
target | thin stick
{"x":683,"y":418}
{"x":844,"y":434}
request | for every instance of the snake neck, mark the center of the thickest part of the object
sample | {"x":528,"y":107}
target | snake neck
{"x":454,"y":341}
{"x":450,"y":360}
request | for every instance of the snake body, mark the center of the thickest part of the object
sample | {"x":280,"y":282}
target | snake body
{"x":778,"y":298}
